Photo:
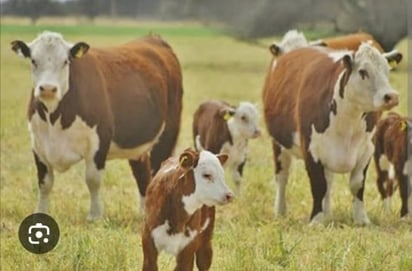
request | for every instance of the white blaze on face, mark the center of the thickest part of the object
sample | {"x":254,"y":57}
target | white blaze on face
{"x":210,"y":186}
{"x":368,"y":86}
{"x":245,"y":121}
{"x":50,"y":66}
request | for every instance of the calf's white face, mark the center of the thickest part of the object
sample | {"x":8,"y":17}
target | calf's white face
{"x":245,"y":121}
{"x":211,"y":188}
{"x":50,"y":57}
{"x":291,"y":41}
{"x":368,"y":85}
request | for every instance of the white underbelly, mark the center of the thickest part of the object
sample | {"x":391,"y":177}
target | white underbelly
{"x":339,"y":154}
{"x":61,"y":148}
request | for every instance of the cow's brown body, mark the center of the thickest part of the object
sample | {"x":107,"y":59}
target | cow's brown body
{"x":128,"y":98}
{"x":391,"y":150}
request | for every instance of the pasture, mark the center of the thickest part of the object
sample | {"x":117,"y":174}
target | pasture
{"x":247,"y":235}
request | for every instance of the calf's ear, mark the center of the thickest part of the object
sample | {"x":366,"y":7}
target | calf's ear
{"x":79,"y":50}
{"x":20,"y":48}
{"x":188,"y":159}
{"x":222,"y":158}
{"x":226,"y":113}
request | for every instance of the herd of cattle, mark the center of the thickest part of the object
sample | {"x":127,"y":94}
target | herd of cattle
{"x":322,"y":102}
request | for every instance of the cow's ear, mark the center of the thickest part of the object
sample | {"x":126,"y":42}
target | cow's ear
{"x":222,"y":158}
{"x":227,"y":113}
{"x":20,"y":48}
{"x":79,"y":50}
{"x":275,"y":49}
{"x":347,"y":62}
{"x":188,"y":159}
{"x":393,"y":57}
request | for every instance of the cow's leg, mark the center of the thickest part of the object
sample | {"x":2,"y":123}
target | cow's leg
{"x":410,"y":197}
{"x":357,"y":185}
{"x":318,"y":184}
{"x":204,"y":254}
{"x":282,"y":165}
{"x":185,"y":258}
{"x":237,"y":176}
{"x":383,"y":182}
{"x":93,"y":181}
{"x":45,"y":179}
{"x":142,"y":173}
{"x":150,"y":252}
{"x":404,"y":192}
{"x":327,"y":207}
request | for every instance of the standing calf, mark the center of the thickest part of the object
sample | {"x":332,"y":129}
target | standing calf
{"x":180,"y":211}
{"x":393,"y":161}
{"x":221,"y":128}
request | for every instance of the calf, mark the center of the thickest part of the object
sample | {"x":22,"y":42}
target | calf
{"x":393,"y":142}
{"x":94,"y":104}
{"x":180,"y":212}
{"x":321,"y":105}
{"x":221,"y":128}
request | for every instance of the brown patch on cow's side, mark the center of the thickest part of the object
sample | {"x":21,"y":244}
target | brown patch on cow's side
{"x":209,"y":123}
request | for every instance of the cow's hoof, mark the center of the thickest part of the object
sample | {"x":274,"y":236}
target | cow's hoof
{"x":318,"y":219}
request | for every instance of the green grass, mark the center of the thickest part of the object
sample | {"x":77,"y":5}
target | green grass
{"x":247,"y":236}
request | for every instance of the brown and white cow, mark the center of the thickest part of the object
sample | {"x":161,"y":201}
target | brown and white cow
{"x":221,"y":128}
{"x":101,"y":103}
{"x":180,"y":212}
{"x":320,"y":105}
{"x":393,"y":160}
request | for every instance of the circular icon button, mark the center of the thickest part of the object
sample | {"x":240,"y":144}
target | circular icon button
{"x":39,"y":233}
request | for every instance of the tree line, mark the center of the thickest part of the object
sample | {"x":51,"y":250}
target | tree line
{"x":386,"y":20}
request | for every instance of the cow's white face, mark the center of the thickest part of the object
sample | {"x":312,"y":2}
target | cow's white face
{"x":368,"y":85}
{"x":211,"y":187}
{"x":50,"y":58}
{"x":246,"y":120}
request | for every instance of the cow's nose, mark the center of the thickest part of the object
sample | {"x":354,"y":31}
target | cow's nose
{"x":229,"y":197}
{"x":257,"y":133}
{"x":391,"y":99}
{"x":48,"y":88}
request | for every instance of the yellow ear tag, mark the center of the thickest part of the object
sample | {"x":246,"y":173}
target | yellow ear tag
{"x":403,"y":125}
{"x":182,"y":160}
{"x":226,"y":116}
{"x":79,"y":53}
{"x":393,"y":64}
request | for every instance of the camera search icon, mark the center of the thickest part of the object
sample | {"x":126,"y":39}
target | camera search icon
{"x":39,"y":233}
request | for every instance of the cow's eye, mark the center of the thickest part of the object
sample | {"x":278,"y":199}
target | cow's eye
{"x":207,"y":176}
{"x":243,"y":118}
{"x":65,"y":62}
{"x":34,"y":63}
{"x":364,"y":74}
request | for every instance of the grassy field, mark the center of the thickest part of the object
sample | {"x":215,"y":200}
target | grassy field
{"x":247,"y":236}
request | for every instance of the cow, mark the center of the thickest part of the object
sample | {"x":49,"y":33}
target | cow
{"x":393,"y":160}
{"x":180,"y":209}
{"x":95,"y":104}
{"x":221,"y":128}
{"x":294,"y":39}
{"x":322,"y":105}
